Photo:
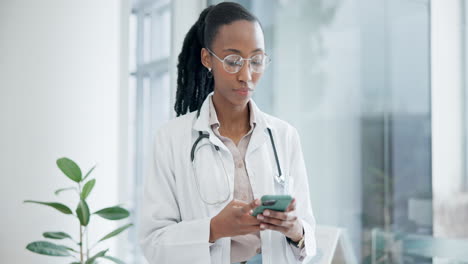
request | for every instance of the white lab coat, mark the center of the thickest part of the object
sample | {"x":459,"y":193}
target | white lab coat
{"x":175,"y":222}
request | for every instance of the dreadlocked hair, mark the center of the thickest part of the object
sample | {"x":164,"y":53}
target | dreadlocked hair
{"x":193,"y":83}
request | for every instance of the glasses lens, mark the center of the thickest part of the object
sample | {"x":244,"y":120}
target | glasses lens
{"x":233,"y":63}
{"x":258,"y":63}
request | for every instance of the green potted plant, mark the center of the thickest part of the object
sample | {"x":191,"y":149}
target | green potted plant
{"x":81,"y":252}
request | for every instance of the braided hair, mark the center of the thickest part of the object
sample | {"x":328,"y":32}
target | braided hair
{"x":193,"y":83}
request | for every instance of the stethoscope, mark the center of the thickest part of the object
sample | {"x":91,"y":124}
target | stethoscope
{"x":279,"y":178}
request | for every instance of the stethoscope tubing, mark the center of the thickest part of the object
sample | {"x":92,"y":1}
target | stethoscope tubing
{"x":202,"y":135}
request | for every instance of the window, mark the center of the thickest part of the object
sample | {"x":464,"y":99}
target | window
{"x":353,"y":78}
{"x":149,"y":97}
{"x":465,"y":83}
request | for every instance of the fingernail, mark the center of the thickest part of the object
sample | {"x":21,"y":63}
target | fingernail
{"x":260,"y":216}
{"x":250,"y":212}
{"x":257,"y":202}
{"x":266,"y":213}
{"x":262,"y":226}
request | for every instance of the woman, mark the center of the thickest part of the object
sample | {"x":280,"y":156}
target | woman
{"x":212,"y":165}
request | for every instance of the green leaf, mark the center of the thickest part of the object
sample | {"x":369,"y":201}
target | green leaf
{"x":69,"y":168}
{"x":88,"y":187}
{"x":113,"y":213}
{"x":98,"y":255}
{"x":115,"y":260}
{"x":47,"y":248}
{"x":61,"y":207}
{"x":89,"y":172}
{"x":71,"y":249}
{"x":64,"y":189}
{"x":82,"y":211}
{"x":56,"y":235}
{"x":115,"y":232}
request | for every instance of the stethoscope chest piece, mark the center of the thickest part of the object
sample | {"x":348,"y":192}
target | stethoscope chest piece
{"x":280,"y":179}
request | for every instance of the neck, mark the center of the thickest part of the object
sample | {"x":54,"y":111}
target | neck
{"x":231,"y":117}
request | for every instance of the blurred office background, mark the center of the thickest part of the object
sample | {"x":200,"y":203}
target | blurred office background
{"x":376,"y":89}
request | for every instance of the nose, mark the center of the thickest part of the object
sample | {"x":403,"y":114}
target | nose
{"x":245,"y":73}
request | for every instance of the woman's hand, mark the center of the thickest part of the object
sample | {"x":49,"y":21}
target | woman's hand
{"x":285,"y":222}
{"x":235,"y":219}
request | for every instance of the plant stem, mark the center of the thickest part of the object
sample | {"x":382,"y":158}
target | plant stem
{"x":81,"y":230}
{"x":81,"y":245}
{"x":87,"y":244}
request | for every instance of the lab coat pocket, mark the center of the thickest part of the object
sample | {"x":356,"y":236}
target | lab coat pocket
{"x":211,"y":175}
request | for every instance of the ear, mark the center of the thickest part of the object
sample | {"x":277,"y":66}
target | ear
{"x":206,"y":58}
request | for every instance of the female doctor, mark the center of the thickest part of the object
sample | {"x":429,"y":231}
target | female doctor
{"x":213,"y":162}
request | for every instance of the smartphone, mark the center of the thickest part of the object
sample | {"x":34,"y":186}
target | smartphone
{"x":273,"y":202}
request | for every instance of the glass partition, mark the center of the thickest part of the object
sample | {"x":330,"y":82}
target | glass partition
{"x":353,"y":76}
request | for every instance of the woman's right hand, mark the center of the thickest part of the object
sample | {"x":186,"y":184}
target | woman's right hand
{"x":235,"y":219}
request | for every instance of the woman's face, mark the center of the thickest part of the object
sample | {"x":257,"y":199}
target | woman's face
{"x":241,"y":37}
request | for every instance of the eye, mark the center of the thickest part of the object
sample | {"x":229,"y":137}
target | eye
{"x":257,"y":60}
{"x":233,"y":60}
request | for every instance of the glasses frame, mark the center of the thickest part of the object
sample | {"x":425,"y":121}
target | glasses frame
{"x":267,"y":62}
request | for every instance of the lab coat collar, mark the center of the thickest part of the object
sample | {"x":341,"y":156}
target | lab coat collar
{"x":202,"y":123}
{"x":259,"y":134}
{"x":214,"y":116}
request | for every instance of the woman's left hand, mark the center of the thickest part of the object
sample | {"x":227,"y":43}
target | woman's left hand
{"x":285,"y":222}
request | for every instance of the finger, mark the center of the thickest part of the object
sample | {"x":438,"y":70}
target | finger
{"x":250,"y":220}
{"x":290,"y":219}
{"x":289,"y":223}
{"x":247,"y":208}
{"x":264,"y":226}
{"x":276,"y":214}
{"x":292,"y":205}
{"x":272,"y":221}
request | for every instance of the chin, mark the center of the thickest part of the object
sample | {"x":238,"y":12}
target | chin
{"x":233,"y":98}
{"x":240,"y":100}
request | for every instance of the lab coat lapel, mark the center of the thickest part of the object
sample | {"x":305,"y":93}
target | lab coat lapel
{"x":202,"y":123}
{"x":259,"y":134}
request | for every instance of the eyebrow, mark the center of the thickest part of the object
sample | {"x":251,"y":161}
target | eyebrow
{"x":239,"y":52}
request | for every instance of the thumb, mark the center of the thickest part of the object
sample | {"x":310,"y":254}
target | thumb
{"x":237,"y":203}
{"x":247,"y":209}
{"x":291,"y":206}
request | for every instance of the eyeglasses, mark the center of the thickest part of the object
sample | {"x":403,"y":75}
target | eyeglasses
{"x":233,"y":63}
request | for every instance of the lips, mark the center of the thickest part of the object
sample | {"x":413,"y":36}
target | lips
{"x":243,"y":91}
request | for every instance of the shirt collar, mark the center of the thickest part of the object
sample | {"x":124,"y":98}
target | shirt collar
{"x":201,"y":117}
{"x":213,"y":119}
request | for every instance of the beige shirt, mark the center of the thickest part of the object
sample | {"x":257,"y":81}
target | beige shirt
{"x":246,"y":246}
{"x":243,"y":247}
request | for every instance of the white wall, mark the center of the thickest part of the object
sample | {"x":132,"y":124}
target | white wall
{"x":447,"y":119}
{"x":447,"y":96}
{"x":59,"y":96}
